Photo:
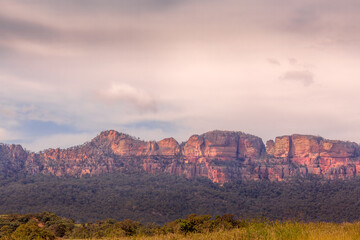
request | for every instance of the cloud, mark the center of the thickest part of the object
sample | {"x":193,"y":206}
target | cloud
{"x":305,"y":19}
{"x":293,"y":61}
{"x":151,"y":67}
{"x":153,"y":124}
{"x":273,"y":61}
{"x":6,"y":135}
{"x":7,"y":112}
{"x":124,"y":6}
{"x":15,"y":28}
{"x":125,"y":93}
{"x":304,"y":77}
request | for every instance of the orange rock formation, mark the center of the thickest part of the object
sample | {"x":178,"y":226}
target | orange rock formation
{"x":221,"y":156}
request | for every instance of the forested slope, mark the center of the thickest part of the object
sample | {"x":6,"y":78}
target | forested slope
{"x":161,"y":198}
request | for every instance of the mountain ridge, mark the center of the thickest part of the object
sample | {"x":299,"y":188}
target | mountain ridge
{"x":221,"y":156}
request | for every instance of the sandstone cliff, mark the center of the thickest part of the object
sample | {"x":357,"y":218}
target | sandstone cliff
{"x":218,"y":155}
{"x":315,"y":155}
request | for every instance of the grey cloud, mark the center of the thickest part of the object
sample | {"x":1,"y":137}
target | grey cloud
{"x":79,"y":29}
{"x":302,"y":18}
{"x":316,"y":21}
{"x":293,"y":61}
{"x":273,"y":61}
{"x":115,"y":6}
{"x":304,"y":77}
{"x":304,"y":21}
{"x":142,"y":5}
{"x":153,"y":124}
{"x":15,"y":28}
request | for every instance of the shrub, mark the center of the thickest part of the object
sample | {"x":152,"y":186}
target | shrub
{"x":31,"y":231}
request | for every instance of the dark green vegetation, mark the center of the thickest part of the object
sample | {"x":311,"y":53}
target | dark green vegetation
{"x":161,"y":198}
{"x":49,"y":226}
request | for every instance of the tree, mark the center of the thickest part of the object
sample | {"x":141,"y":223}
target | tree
{"x":31,"y":231}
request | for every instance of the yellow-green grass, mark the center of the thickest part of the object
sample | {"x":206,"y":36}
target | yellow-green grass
{"x":277,"y":230}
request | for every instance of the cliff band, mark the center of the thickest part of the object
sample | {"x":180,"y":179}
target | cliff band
{"x":221,"y":156}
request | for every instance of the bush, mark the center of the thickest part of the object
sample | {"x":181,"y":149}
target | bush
{"x":31,"y":231}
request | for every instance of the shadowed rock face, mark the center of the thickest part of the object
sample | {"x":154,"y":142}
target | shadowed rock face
{"x":12,"y":159}
{"x":221,"y":156}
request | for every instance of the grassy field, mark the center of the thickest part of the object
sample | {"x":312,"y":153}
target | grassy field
{"x":277,"y":230}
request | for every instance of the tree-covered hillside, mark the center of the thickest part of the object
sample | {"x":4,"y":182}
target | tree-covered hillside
{"x":162,"y":198}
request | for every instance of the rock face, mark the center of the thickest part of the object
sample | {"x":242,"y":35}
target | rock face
{"x":315,"y":155}
{"x":12,"y":159}
{"x":221,"y":156}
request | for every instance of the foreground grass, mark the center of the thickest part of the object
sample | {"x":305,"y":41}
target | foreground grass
{"x":276,"y":230}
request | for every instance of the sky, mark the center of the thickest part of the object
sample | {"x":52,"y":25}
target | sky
{"x":172,"y":68}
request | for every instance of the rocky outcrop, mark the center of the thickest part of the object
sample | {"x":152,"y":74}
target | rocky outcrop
{"x":12,"y":158}
{"x":221,"y":156}
{"x":315,"y":155}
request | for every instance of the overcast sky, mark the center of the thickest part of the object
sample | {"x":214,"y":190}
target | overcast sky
{"x":160,"y":68}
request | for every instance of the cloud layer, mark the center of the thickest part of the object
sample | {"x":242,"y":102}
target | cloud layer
{"x":172,"y":68}
{"x":304,"y":77}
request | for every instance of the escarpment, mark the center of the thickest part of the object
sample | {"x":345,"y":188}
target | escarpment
{"x":221,"y":156}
